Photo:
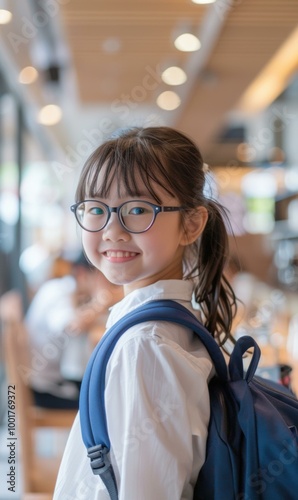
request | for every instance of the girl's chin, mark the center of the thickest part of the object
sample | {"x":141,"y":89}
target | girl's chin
{"x":129,"y":283}
{"x":117,"y":278}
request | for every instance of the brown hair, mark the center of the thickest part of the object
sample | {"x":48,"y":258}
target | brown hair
{"x":169,"y":158}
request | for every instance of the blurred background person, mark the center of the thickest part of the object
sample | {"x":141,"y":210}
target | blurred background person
{"x":59,"y":319}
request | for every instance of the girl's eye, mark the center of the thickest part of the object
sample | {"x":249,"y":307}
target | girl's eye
{"x":96,"y":211}
{"x":137,"y":211}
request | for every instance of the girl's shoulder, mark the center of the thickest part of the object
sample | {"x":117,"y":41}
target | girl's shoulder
{"x":158,"y":342}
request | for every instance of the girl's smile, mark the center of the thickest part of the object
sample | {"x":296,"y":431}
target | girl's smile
{"x":119,"y":256}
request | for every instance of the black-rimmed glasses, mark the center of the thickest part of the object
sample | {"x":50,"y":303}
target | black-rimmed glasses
{"x":135,"y":216}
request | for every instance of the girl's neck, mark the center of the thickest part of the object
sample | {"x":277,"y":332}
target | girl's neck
{"x":174,"y":275}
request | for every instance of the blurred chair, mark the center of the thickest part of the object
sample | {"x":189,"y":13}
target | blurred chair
{"x":39,"y":473}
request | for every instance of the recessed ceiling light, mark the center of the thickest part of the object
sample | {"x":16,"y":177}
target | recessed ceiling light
{"x":174,"y":76}
{"x":50,"y":115}
{"x":187,"y":42}
{"x":28,"y":75}
{"x":168,"y":100}
{"x":5,"y":16}
{"x":203,"y":1}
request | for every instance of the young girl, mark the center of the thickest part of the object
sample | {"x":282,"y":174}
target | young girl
{"x":147,"y":225}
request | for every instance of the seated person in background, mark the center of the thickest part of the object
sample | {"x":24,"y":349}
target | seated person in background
{"x":58,"y":320}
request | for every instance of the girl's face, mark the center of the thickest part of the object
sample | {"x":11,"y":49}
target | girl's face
{"x":138,"y":260}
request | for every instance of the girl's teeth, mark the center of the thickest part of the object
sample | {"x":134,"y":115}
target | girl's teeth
{"x":121,"y":254}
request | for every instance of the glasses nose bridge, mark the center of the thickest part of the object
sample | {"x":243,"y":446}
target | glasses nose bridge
{"x":115,"y":210}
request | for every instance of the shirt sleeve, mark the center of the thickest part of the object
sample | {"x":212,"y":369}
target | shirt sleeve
{"x":157,"y":406}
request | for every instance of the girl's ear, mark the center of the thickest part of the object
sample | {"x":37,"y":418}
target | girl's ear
{"x":194,"y":224}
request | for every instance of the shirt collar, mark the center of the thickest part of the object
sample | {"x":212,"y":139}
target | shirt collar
{"x":178,"y":290}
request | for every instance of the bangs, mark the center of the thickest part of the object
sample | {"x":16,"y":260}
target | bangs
{"x":134,"y":165}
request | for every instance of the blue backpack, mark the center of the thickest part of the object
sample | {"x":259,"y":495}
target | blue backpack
{"x":252,"y":446}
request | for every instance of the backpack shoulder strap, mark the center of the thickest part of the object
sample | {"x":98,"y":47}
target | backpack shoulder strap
{"x":92,"y":408}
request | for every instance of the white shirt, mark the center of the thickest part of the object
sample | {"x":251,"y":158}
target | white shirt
{"x":157,"y":406}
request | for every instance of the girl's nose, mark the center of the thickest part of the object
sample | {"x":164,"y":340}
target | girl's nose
{"x":114,"y":231}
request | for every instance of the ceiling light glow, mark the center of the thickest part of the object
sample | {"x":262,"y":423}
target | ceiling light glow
{"x":5,"y":16}
{"x":168,"y":100}
{"x":203,"y":2}
{"x":50,"y":115}
{"x":174,"y":76}
{"x":187,"y":42}
{"x":273,"y":78}
{"x":28,"y":75}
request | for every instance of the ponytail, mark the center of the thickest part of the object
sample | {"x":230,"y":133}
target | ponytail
{"x":213,"y":292}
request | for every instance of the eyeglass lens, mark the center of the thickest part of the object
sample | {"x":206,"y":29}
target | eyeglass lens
{"x":136,"y":216}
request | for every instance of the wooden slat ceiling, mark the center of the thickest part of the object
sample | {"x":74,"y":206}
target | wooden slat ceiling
{"x":118,"y":49}
{"x":250,"y":35}
{"x":145,"y":33}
